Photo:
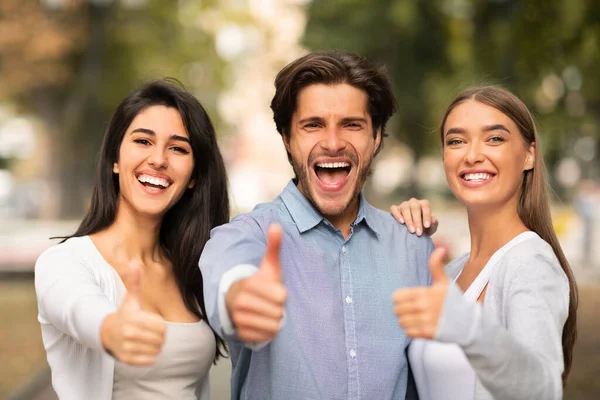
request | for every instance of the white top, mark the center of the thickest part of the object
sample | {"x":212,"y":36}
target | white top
{"x":76,"y":290}
{"x":442,"y":370}
{"x":181,"y":369}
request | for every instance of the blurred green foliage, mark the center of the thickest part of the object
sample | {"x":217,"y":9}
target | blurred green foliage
{"x":545,"y":51}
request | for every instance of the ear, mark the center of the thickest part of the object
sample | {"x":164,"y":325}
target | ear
{"x":116,"y":168}
{"x":286,"y":141}
{"x":530,"y":158}
{"x":191,"y":184}
{"x":377,"y":141}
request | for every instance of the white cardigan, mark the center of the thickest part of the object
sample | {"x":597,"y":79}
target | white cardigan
{"x":75,"y":290}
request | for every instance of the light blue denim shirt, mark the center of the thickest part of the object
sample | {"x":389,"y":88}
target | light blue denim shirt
{"x":341,"y":339}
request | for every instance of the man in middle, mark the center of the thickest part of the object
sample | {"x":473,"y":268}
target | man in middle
{"x":333,"y":262}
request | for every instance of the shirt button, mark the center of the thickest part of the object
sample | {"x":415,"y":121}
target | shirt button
{"x":352,"y":353}
{"x":344,"y":251}
{"x":348,"y":299}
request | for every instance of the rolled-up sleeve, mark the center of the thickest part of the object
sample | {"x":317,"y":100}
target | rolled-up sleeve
{"x":230,"y":254}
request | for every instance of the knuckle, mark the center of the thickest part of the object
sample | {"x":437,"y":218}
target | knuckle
{"x":237,"y":320}
{"x":128,"y":347}
{"x":129,"y":332}
{"x":279,"y":314}
{"x":284,"y":294}
{"x":126,"y":359}
{"x":239,"y":302}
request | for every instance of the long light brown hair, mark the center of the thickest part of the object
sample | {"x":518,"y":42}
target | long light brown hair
{"x":534,"y":203}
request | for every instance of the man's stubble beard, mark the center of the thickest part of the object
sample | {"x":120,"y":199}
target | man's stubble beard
{"x":302,"y":178}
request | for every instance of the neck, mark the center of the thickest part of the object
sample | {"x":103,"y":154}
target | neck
{"x":345,"y":219}
{"x":134,"y":237}
{"x":491,"y":227}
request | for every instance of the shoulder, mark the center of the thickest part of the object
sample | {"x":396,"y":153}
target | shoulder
{"x":258,"y":220}
{"x":75,"y":248}
{"x":246,"y":228}
{"x":73,"y":259}
{"x":531,"y":271}
{"x":530,"y":260}
{"x":388,"y":224}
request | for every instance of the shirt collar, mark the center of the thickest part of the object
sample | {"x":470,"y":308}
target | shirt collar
{"x":307,"y":217}
{"x":368,"y":214}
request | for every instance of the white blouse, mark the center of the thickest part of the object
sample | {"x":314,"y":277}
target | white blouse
{"x":76,"y":289}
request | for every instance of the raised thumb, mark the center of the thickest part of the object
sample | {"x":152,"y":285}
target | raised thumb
{"x":436,"y":265}
{"x":271,"y":263}
{"x":134,"y":284}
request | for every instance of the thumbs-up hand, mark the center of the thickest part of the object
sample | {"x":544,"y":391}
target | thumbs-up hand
{"x":255,"y":304}
{"x":132,"y":335}
{"x":419,"y":309}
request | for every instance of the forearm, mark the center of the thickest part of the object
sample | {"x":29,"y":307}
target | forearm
{"x":79,"y":316}
{"x":506,"y":368}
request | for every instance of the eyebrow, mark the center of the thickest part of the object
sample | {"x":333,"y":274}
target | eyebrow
{"x":151,"y":133}
{"x":354,"y":119}
{"x":311,"y":119}
{"x":486,"y":128}
{"x":343,"y":120}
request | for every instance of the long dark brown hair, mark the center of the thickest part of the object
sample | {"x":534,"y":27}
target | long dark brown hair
{"x":534,"y":203}
{"x":186,"y":226}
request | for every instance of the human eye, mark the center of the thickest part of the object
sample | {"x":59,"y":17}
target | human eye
{"x":453,"y":141}
{"x":354,"y":125}
{"x":180,"y":150}
{"x":311,"y":125}
{"x":142,"y":141}
{"x":496,"y":139}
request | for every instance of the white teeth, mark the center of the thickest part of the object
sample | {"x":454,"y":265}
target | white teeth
{"x":477,"y":177}
{"x":154,"y":180}
{"x":333,"y":165}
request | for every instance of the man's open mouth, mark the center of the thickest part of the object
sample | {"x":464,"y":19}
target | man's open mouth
{"x":332,"y":173}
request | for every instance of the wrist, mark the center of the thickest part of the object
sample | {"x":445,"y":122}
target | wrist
{"x":231,"y":295}
{"x":106,"y":333}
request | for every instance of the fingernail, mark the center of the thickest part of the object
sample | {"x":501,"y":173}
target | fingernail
{"x":411,"y":228}
{"x":419,"y":231}
{"x":426,"y":223}
{"x":401,"y":220}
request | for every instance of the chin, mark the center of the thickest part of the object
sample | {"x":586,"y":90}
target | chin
{"x":472,"y":201}
{"x":152,"y":210}
{"x":332,"y":206}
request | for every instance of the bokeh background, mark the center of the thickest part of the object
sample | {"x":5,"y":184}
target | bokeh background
{"x":65,"y":65}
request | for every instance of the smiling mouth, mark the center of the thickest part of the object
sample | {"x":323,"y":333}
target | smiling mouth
{"x":332,"y":173}
{"x":477,"y":177}
{"x":153,"y":182}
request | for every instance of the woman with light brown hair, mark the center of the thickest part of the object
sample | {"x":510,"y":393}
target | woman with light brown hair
{"x":500,"y":321}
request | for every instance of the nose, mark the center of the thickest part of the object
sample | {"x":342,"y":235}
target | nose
{"x":158,"y":158}
{"x":474,"y":153}
{"x":333,"y":141}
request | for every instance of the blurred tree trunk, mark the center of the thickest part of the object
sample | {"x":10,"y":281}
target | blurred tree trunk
{"x":81,"y":110}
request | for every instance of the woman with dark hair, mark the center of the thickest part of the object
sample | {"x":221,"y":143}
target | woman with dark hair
{"x":502,"y":317}
{"x":120,"y":301}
